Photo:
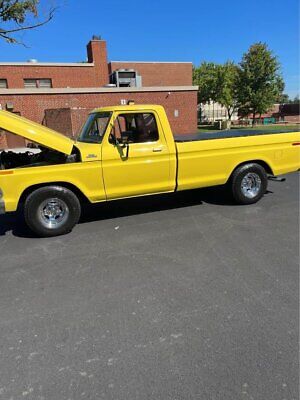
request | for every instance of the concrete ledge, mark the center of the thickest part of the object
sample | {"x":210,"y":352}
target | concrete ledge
{"x":150,"y":62}
{"x":44,"y":64}
{"x":5,"y":92}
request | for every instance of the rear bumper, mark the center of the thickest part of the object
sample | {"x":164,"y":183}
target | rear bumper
{"x":2,"y":206}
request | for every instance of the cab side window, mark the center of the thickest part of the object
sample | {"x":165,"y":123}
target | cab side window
{"x":136,"y":128}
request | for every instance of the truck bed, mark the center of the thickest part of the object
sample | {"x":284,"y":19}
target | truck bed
{"x":225,"y":134}
{"x":205,"y":162}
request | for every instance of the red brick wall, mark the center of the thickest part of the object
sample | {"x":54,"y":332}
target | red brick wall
{"x":291,"y":112}
{"x":97,"y":75}
{"x":3,"y":140}
{"x":63,"y":76}
{"x":60,"y":120}
{"x":97,"y":54}
{"x":159,"y":74}
{"x":292,"y":118}
{"x":33,"y":106}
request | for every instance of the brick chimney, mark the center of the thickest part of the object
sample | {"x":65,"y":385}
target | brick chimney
{"x":97,"y":54}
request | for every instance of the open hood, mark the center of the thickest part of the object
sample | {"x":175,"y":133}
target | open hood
{"x":35,"y":132}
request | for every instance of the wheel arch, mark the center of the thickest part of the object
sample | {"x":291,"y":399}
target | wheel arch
{"x":81,"y":196}
{"x":262,"y":163}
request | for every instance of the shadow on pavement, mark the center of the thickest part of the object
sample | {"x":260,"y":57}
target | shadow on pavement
{"x":121,"y":208}
{"x":148,"y":204}
{"x":14,"y":222}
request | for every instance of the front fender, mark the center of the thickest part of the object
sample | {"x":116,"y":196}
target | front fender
{"x":86,"y":177}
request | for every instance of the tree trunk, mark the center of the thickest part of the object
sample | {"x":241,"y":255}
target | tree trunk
{"x":229,"y":114}
{"x":253,"y":118}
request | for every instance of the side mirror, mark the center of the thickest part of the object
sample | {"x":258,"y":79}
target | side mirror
{"x":113,"y":139}
{"x":124,"y":145}
{"x":112,"y":136}
{"x":118,"y":142}
{"x":121,"y":144}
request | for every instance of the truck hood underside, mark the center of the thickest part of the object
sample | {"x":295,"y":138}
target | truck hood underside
{"x":35,"y":132}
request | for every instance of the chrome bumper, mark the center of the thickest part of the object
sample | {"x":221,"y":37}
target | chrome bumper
{"x":2,"y":207}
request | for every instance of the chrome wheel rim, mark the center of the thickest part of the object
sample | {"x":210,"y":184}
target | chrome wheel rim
{"x":251,"y":185}
{"x":53,"y":213}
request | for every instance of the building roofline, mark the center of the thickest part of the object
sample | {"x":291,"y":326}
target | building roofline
{"x":82,"y":64}
{"x":151,"y":62}
{"x":45,"y":64}
{"x":4,"y":92}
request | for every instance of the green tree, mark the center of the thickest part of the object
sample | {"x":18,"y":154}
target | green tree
{"x":206,"y":77}
{"x":14,"y":17}
{"x":260,"y":81}
{"x":283,"y":98}
{"x":218,"y":83}
{"x":227,"y":88}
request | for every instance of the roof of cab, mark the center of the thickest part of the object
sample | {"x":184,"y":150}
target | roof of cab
{"x":131,"y":107}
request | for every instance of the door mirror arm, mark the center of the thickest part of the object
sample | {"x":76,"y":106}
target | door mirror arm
{"x":112,"y":136}
{"x":127,"y":149}
{"x":122,"y":146}
{"x":119,"y":144}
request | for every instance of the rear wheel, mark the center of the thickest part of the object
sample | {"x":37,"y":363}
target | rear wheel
{"x":248,"y":183}
{"x":52,"y":211}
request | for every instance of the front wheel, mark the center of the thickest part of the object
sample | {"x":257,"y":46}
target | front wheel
{"x":248,"y":183}
{"x":52,"y":211}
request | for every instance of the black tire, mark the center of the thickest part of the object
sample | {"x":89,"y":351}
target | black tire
{"x":257,"y":180}
{"x":52,"y":211}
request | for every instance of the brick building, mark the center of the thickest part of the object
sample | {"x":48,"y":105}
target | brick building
{"x":60,"y":95}
{"x":287,"y":113}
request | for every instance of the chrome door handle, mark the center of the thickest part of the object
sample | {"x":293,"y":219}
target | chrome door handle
{"x":157,"y":150}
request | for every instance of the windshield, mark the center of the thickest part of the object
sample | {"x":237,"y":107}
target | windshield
{"x":94,"y":128}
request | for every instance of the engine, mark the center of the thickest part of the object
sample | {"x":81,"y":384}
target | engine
{"x":10,"y":159}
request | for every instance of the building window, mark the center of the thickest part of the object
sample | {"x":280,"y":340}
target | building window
{"x":45,"y":83}
{"x":37,"y":83}
{"x":3,"y":84}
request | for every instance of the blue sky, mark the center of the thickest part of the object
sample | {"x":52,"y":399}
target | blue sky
{"x":192,"y":30}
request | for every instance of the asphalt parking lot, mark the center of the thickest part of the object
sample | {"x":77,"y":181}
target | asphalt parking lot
{"x":163,"y":298}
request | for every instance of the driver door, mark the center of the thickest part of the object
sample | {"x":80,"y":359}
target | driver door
{"x":135,"y":156}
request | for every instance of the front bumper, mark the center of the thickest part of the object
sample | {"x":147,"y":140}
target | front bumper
{"x":2,"y":206}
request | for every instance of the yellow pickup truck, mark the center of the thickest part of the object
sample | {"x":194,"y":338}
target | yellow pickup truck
{"x":127,"y":151}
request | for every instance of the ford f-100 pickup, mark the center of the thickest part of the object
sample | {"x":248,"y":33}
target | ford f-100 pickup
{"x":128,"y":151}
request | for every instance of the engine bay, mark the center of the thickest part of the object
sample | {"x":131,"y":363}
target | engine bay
{"x":41,"y":157}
